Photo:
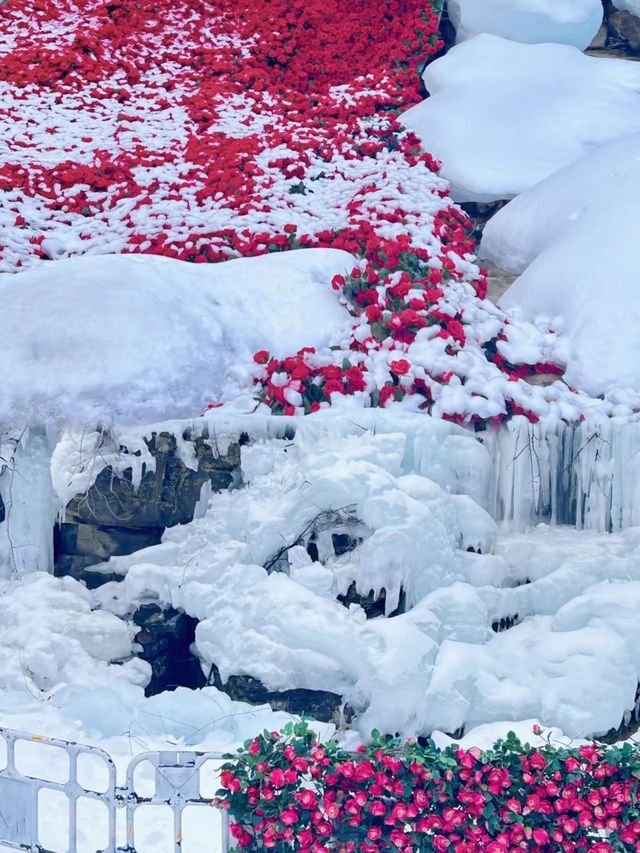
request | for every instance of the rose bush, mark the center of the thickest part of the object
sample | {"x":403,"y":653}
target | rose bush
{"x":285,"y":792}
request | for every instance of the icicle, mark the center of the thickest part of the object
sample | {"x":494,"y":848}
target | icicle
{"x":26,"y":535}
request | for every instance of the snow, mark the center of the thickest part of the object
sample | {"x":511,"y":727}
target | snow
{"x":574,"y":238}
{"x":597,"y":184}
{"x":440,"y":661}
{"x":632,"y":6}
{"x":502,"y":116}
{"x":572,"y":22}
{"x":414,"y":493}
{"x":147,"y":338}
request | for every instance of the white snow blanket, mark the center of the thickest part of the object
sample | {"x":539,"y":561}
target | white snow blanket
{"x":575,"y":236}
{"x":563,"y":21}
{"x":599,"y":182}
{"x":502,"y":116}
{"x":142,"y":338}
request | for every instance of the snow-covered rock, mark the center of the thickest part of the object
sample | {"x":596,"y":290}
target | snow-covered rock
{"x":437,"y":666}
{"x":503,"y":115}
{"x":575,"y":237}
{"x":142,"y":338}
{"x":596,"y":184}
{"x":564,"y":21}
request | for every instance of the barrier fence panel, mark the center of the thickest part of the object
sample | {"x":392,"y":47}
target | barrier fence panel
{"x":177,"y":784}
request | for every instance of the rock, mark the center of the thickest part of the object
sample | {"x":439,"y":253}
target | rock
{"x":78,"y":546}
{"x":625,"y":27}
{"x":600,"y":39}
{"x":166,"y":496}
{"x":166,"y":636}
{"x":480,"y":213}
{"x":542,"y":379}
{"x":373,"y":607}
{"x":317,"y":704}
{"x":114,"y":518}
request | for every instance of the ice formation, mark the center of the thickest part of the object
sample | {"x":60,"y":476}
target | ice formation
{"x":440,"y":656}
{"x":572,"y":22}
{"x":503,"y":115}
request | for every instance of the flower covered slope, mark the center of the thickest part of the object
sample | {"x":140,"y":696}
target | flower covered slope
{"x":204,"y":132}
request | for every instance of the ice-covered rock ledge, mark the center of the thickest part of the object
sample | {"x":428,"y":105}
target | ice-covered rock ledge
{"x":484,"y":624}
{"x":114,"y":492}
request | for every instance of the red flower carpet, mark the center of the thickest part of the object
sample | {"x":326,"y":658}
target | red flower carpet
{"x":210,"y":130}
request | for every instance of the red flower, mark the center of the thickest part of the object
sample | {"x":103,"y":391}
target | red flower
{"x":400,"y":367}
{"x":261,"y":357}
{"x":276,"y":777}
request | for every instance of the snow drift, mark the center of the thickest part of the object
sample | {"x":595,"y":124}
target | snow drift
{"x":502,"y":116}
{"x":575,"y":237}
{"x":141,"y":338}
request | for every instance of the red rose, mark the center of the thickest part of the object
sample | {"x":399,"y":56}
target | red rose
{"x":400,"y":367}
{"x":261,"y":357}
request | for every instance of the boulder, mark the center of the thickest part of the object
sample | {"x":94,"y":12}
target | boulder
{"x":317,"y":704}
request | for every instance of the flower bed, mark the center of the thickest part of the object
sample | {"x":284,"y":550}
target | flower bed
{"x":205,"y":131}
{"x":286,"y":792}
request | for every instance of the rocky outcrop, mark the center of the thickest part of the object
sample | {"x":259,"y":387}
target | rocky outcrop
{"x":619,"y":34}
{"x":115,"y":517}
{"x":317,"y":704}
{"x":624,"y":31}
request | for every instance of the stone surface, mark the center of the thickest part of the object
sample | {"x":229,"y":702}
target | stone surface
{"x":542,"y":379}
{"x":498,"y":280}
{"x":318,"y":704}
{"x":480,"y":213}
{"x":166,"y":636}
{"x":165,"y":497}
{"x":619,"y":37}
{"x":625,"y":27}
{"x":113,"y":518}
{"x":600,"y":39}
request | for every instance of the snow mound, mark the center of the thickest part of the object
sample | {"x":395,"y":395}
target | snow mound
{"x":142,"y":338}
{"x":574,"y":235}
{"x":572,"y":22}
{"x":51,"y":639}
{"x":503,"y":115}
{"x":606,"y":178}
